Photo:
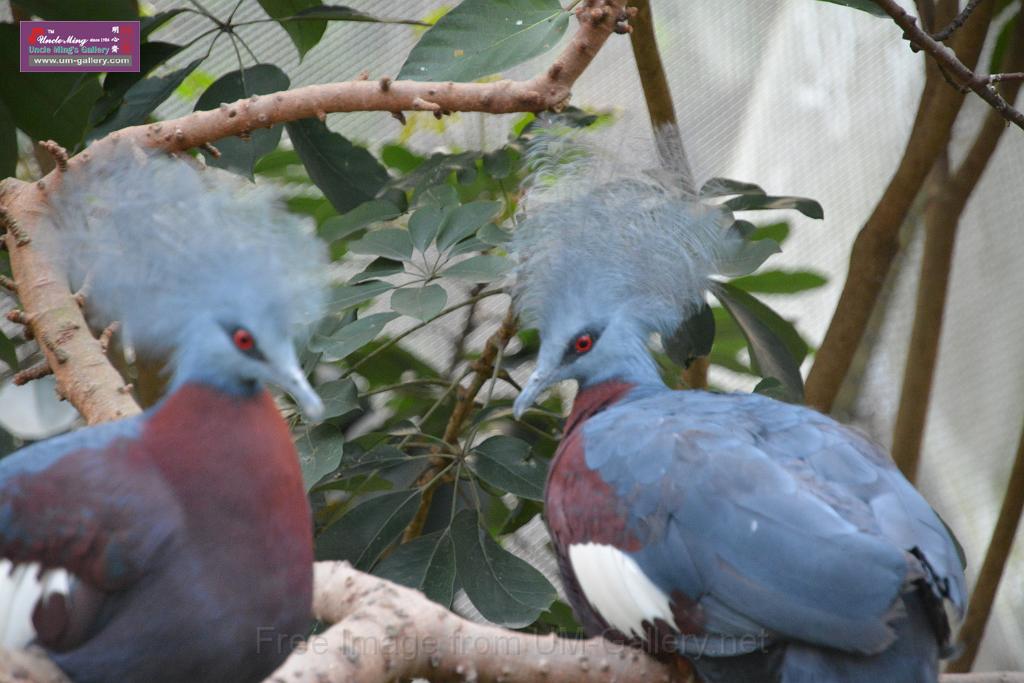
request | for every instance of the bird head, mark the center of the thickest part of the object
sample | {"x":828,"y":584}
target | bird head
{"x":198,"y":266}
{"x":605,"y":264}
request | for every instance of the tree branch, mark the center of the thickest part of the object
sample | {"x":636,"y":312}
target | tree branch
{"x":483,"y":369}
{"x":385,"y":632}
{"x":947,"y":59}
{"x":948,"y":199}
{"x":991,"y":573}
{"x":660,"y":107}
{"x":878,"y":241}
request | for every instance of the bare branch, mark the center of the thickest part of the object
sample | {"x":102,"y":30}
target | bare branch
{"x":991,"y":573}
{"x":947,"y":59}
{"x":958,"y":21}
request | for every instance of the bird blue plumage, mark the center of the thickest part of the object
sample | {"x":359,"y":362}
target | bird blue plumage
{"x":763,"y":541}
{"x":183,"y":533}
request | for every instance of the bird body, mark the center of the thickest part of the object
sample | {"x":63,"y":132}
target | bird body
{"x":723,"y":527}
{"x":760,"y":540}
{"x":175,"y":544}
{"x":186,"y":534}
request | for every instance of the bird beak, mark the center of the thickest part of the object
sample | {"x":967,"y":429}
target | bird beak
{"x":538,"y":382}
{"x":289,"y":376}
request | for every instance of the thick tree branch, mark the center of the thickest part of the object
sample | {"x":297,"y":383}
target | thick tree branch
{"x":84,"y":377}
{"x":991,"y":573}
{"x":385,"y":632}
{"x":949,"y":197}
{"x":878,"y":241}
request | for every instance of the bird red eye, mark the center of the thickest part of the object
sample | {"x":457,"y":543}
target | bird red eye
{"x":583,"y":343}
{"x":243,"y":339}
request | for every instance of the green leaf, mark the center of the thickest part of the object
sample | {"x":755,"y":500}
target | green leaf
{"x":366,"y":531}
{"x":320,"y":450}
{"x":773,"y":388}
{"x":142,"y":99}
{"x":44,"y":105}
{"x":392,"y":243}
{"x":723,"y":187}
{"x":400,"y":158}
{"x":149,"y":24}
{"x":483,"y":268}
{"x":776,"y":349}
{"x":305,"y":34}
{"x":693,"y":339}
{"x":81,"y":10}
{"x":340,"y":398}
{"x":773,"y":231}
{"x":426,"y":564}
{"x":8,"y":353}
{"x":422,"y":303}
{"x":493,"y":235}
{"x":498,"y":164}
{"x":424,"y":224}
{"x":506,"y":590}
{"x":754,"y":202}
{"x":116,"y":84}
{"x":738,"y":256}
{"x":351,"y":337}
{"x":347,"y":296}
{"x":995,"y":64}
{"x":379,"y":267}
{"x":236,"y":154}
{"x":483,"y":37}
{"x":780,"y":281}
{"x":343,"y":13}
{"x":348,"y":175}
{"x":868,"y":6}
{"x":367,"y":213}
{"x":465,"y":220}
{"x":505,"y":463}
{"x":380,"y":457}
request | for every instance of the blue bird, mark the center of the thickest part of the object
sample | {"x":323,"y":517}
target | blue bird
{"x":174,"y":545}
{"x":760,"y":540}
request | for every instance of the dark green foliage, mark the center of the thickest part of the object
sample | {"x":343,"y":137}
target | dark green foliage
{"x":482,"y":37}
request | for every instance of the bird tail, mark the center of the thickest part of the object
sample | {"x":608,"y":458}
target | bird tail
{"x":912,"y":658}
{"x":21,"y":587}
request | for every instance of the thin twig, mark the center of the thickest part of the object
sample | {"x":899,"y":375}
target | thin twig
{"x":32,"y":373}
{"x":958,"y":21}
{"x":483,"y":368}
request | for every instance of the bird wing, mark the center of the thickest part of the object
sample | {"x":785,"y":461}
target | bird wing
{"x":770,"y":516}
{"x":79,"y":502}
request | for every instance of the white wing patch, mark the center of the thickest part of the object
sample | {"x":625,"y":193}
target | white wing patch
{"x":21,"y":588}
{"x":617,"y":588}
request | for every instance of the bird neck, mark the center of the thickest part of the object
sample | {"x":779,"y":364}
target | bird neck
{"x":630,"y":362}
{"x":193,"y":368}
